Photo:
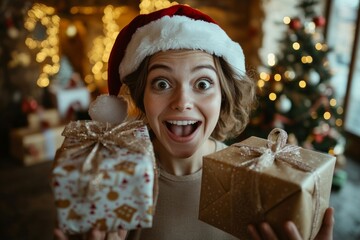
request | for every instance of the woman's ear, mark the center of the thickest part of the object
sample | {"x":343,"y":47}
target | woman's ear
{"x":108,"y":108}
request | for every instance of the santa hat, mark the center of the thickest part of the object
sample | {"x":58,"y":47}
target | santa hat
{"x":176,"y":27}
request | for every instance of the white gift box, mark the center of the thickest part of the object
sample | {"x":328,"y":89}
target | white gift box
{"x":113,"y":190}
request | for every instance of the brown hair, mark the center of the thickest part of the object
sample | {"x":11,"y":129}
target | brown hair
{"x":238,"y":97}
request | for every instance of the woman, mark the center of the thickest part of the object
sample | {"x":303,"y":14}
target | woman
{"x":187,"y":79}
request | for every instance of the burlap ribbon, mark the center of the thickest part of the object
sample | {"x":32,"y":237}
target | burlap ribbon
{"x":278,"y":150}
{"x":85,"y":140}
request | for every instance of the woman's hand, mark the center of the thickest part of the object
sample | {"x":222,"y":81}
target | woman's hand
{"x":94,"y":234}
{"x":266,"y":232}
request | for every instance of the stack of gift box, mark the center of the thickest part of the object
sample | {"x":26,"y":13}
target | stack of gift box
{"x":38,"y":141}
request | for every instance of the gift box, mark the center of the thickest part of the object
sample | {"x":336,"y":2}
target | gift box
{"x":260,"y":180}
{"x":104,"y":176}
{"x":32,"y":146}
{"x":66,"y":100}
{"x":44,"y":118}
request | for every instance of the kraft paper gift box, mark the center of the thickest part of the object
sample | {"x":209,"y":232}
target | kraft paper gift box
{"x":260,"y":180}
{"x":104,"y":176}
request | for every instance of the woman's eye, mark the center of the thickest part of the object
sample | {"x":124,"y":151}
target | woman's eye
{"x":203,"y":84}
{"x":161,"y":84}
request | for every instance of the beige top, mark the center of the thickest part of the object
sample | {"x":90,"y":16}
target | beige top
{"x":176,"y":215}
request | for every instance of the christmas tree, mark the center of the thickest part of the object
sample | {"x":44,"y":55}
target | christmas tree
{"x":295,"y":92}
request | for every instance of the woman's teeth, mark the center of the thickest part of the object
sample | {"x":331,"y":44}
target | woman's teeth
{"x":182,"y":128}
{"x":181,"y":122}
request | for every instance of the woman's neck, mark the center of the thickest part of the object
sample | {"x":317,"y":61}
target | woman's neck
{"x":183,"y":166}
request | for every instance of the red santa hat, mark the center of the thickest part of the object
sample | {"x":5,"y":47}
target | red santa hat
{"x":176,"y":27}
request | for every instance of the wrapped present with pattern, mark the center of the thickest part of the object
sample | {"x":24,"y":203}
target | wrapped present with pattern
{"x":104,"y":176}
{"x":260,"y":180}
{"x":32,"y":146}
{"x":44,"y":118}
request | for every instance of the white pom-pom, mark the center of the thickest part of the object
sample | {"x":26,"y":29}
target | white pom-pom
{"x":109,"y":109}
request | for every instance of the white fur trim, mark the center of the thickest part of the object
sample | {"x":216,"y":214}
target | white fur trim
{"x":180,"y":32}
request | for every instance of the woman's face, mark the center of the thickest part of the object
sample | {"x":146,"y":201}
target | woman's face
{"x":182,"y":100}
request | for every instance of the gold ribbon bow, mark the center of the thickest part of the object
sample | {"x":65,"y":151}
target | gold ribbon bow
{"x":278,"y":150}
{"x":87,"y":138}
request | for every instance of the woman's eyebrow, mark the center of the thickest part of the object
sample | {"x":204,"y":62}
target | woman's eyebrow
{"x":157,"y":65}
{"x":207,"y":66}
{"x":196,"y":68}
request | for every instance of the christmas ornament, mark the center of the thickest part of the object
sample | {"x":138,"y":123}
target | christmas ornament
{"x":283,"y":104}
{"x":29,"y":105}
{"x":319,"y":21}
{"x":295,"y":24}
{"x":309,"y":27}
{"x":313,"y":77}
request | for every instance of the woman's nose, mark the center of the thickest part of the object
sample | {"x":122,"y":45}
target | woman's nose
{"x":182,"y":100}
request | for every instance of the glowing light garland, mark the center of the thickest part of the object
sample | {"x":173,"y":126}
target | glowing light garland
{"x":48,"y":54}
{"x":102,"y":45}
{"x":147,"y":6}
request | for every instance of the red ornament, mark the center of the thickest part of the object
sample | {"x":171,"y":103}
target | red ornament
{"x":29,"y":105}
{"x":319,"y":21}
{"x":295,"y":24}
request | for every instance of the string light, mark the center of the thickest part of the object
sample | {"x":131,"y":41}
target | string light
{"x":296,"y":46}
{"x":318,"y":46}
{"x":306,"y":59}
{"x":272,"y":96}
{"x":302,"y":84}
{"x":147,"y":6}
{"x":286,"y":20}
{"x":332,"y":102}
{"x":100,"y":52}
{"x":264,"y":76}
{"x":48,"y":53}
{"x":327,"y":115}
{"x":271,"y":59}
{"x":277,"y":77}
{"x":260,"y":83}
{"x":339,"y":122}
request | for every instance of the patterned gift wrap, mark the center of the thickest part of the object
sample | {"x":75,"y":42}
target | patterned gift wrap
{"x":104,"y":176}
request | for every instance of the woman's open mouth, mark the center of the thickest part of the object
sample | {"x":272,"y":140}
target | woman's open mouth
{"x":183,"y":128}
